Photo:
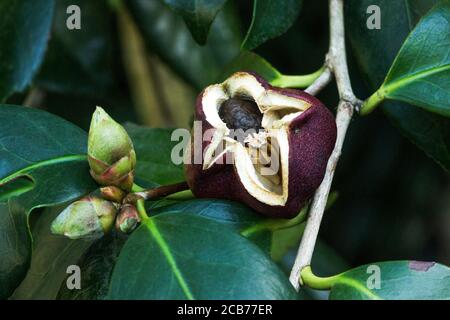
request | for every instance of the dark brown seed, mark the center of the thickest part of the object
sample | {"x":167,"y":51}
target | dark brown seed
{"x":240,"y":113}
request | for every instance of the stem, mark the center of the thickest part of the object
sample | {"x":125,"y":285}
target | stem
{"x":139,"y":195}
{"x":315,"y":282}
{"x":34,"y":98}
{"x":372,"y":102}
{"x":337,"y":63}
{"x":302,"y":81}
{"x":337,"y":54}
{"x":154,"y":193}
{"x":140,"y":206}
{"x":321,"y":82}
{"x":181,"y":195}
{"x":275,"y":224}
{"x":136,"y":188}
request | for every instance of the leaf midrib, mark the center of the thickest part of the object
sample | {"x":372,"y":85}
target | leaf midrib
{"x":165,"y":249}
{"x":388,"y":87}
{"x":40,"y":164}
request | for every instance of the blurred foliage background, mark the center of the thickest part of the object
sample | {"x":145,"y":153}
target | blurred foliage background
{"x":142,"y":65}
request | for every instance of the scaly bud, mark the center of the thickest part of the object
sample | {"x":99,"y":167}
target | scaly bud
{"x":128,"y":218}
{"x":111,"y":153}
{"x":112,"y":193}
{"x":89,"y":217}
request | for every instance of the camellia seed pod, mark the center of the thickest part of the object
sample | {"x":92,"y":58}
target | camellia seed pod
{"x":89,"y":217}
{"x":267,"y":147}
{"x":111,"y":153}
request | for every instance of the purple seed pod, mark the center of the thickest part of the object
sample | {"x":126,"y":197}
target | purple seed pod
{"x":264,"y":146}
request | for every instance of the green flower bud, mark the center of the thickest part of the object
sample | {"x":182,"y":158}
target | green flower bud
{"x":89,"y":217}
{"x":112,"y":193}
{"x":128,"y":218}
{"x":111,"y":153}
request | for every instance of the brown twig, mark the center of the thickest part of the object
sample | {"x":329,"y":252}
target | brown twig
{"x":156,"y":193}
{"x":322,"y":81}
{"x":34,"y":98}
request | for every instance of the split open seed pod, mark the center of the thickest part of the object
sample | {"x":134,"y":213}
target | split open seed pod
{"x":264,"y":146}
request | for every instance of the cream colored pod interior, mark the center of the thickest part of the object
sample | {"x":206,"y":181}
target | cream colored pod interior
{"x":262,"y":161}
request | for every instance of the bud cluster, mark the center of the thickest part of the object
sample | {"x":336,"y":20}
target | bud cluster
{"x":112,"y":160}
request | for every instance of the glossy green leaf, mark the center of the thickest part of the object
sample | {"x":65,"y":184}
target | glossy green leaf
{"x":98,"y":262}
{"x":165,"y":33}
{"x":15,"y":187}
{"x":153,"y":149}
{"x":51,"y":257}
{"x":96,"y":266}
{"x":200,"y":258}
{"x":231,"y":213}
{"x":420,"y":74}
{"x":400,"y":280}
{"x":20,"y":58}
{"x":273,"y":236}
{"x":14,"y":249}
{"x":270,"y":19}
{"x":51,"y":156}
{"x":375,"y":51}
{"x":80,"y":61}
{"x":53,"y":185}
{"x":198,"y":15}
{"x":44,"y":139}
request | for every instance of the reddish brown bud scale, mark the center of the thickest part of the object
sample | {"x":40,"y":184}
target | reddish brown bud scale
{"x":127,"y":219}
{"x":112,"y":193}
